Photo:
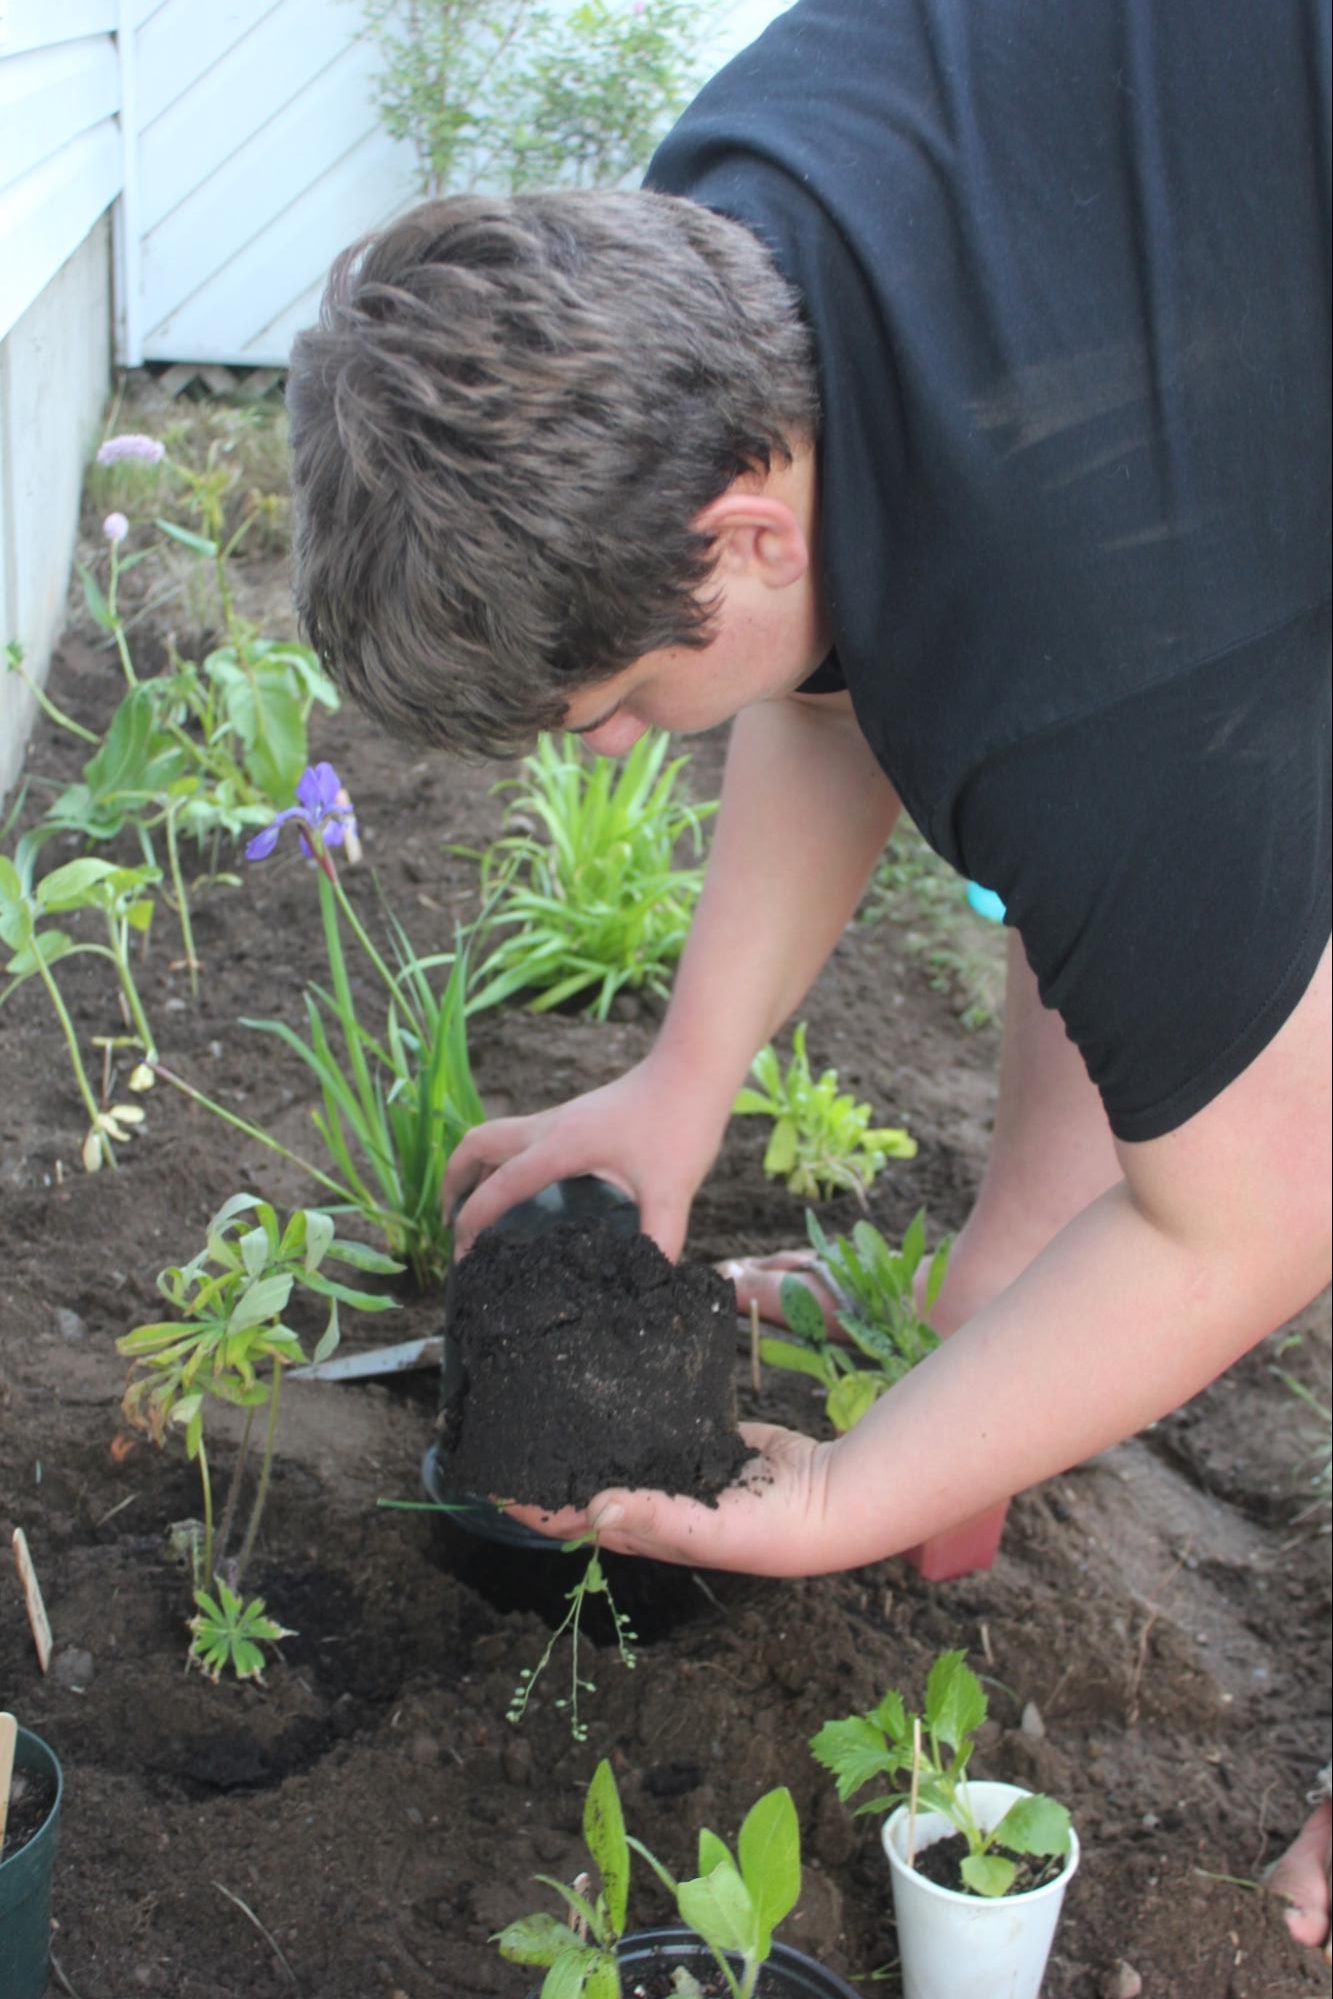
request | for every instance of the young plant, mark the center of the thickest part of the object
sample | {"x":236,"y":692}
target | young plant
{"x":823,"y":1141}
{"x":510,"y":94}
{"x":395,"y":1100}
{"x":593,"y":1582}
{"x":734,"y":1904}
{"x":875,"y":1290}
{"x":580,"y":1957}
{"x":598,"y":903}
{"x":229,"y":1342}
{"x":120,"y":896}
{"x":934,"y":1750}
{"x":226,"y":1632}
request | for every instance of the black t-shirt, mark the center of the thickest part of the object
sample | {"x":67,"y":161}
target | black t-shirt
{"x":1066,"y":265}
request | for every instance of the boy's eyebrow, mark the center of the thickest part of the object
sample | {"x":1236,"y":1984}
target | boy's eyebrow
{"x":586,"y":728}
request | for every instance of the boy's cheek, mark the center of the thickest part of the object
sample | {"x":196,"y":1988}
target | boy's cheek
{"x":616,"y":736}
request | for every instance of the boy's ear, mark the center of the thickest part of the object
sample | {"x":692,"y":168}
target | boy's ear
{"x":757,"y":534}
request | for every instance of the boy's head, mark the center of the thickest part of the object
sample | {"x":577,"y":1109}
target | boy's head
{"x":503,"y":428}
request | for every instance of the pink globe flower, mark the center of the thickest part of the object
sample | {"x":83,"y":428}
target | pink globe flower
{"x":131,"y":444}
{"x":115,"y":527}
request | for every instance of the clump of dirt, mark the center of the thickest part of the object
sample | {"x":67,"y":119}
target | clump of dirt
{"x":589,"y":1360}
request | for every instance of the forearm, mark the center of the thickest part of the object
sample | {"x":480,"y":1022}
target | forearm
{"x":805,"y":813}
{"x":1115,"y":1324}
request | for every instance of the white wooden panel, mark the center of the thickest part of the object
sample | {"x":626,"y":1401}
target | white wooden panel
{"x":51,"y":95}
{"x":202,"y":234}
{"x":254,"y":82}
{"x":45,"y":216}
{"x":182,"y":40}
{"x":288,"y":261}
{"x":37,"y":24}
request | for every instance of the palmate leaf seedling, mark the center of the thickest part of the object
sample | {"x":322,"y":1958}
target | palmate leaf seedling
{"x":934,"y":1749}
{"x":822,"y":1140}
{"x":229,"y":1343}
{"x":876,"y":1292}
{"x":589,"y":891}
{"x":123,"y":898}
{"x":593,"y":1582}
{"x":734,"y":1903}
{"x":229,"y":1633}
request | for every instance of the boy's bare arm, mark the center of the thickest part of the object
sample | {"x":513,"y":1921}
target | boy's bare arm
{"x":1216,"y":1235}
{"x":805,"y":812}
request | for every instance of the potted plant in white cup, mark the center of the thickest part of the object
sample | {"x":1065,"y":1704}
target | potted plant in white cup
{"x":979,"y":1870}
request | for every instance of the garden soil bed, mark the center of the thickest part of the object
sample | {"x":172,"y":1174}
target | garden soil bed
{"x":357,"y":1827}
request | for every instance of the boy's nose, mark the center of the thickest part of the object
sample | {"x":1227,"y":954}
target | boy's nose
{"x":616,"y":735}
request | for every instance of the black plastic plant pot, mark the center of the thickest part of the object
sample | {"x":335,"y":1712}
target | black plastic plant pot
{"x":25,"y":1884}
{"x":585,"y":1199}
{"x":649,"y":1957}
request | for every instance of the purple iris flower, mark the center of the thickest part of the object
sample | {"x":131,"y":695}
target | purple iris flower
{"x":322,"y":808}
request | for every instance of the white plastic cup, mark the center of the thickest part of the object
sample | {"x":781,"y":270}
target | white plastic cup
{"x":957,"y":1946}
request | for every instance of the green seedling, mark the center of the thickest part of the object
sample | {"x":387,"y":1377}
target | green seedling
{"x":229,"y":1343}
{"x":876,"y":1292}
{"x":122,"y":898}
{"x":822,"y":1142}
{"x":227,"y":1633}
{"x":593,"y":1582}
{"x":733,"y":1904}
{"x":589,"y":891}
{"x":934,"y":1750}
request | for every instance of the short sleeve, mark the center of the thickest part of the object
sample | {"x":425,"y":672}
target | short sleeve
{"x":1166,"y":861}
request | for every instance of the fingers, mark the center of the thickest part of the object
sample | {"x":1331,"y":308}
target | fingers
{"x":759,"y":1279}
{"x":666,"y":1221}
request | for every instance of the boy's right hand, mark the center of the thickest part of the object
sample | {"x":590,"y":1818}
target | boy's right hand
{"x":643,"y":1132}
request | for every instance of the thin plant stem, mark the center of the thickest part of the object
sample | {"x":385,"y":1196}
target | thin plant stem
{"x":265,"y":1472}
{"x":120,"y":955}
{"x":117,"y":627}
{"x":207,"y":1484}
{"x":50,"y":710}
{"x":234,"y":1487}
{"x":182,"y":902}
{"x":90,"y":1102}
{"x":916,"y":1791}
{"x":264,"y":1138}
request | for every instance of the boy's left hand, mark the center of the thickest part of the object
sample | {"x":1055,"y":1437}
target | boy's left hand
{"x":770,"y":1523}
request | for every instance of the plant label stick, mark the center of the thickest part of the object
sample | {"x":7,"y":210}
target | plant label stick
{"x":916,"y":1790}
{"x":32,"y":1597}
{"x":9,"y":1729}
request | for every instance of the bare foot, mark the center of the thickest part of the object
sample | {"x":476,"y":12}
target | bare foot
{"x":758,"y":1280}
{"x":1301,"y":1877}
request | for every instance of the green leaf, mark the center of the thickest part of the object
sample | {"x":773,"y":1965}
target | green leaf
{"x":254,"y":1248}
{"x":569,"y":1975}
{"x":796,"y":1360}
{"x":68,"y":887}
{"x":98,"y":608}
{"x":781,"y":1154}
{"x":955,"y":1700}
{"x":537,"y":1939}
{"x":803,"y":1312}
{"x":719,"y":1907}
{"x":768,"y":1848}
{"x":988,"y":1874}
{"x":197,"y":544}
{"x":319,"y":1235}
{"x":604,"y":1833}
{"x":258,"y":1302}
{"x":1034,"y":1825}
{"x":854,"y":1750}
{"x":850,"y":1398}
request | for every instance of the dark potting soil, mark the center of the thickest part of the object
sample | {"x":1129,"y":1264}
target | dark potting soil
{"x":941,"y":1861}
{"x":30,"y":1802}
{"x":589,"y":1360}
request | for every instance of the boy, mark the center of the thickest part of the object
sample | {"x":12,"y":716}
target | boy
{"x":952,"y":411}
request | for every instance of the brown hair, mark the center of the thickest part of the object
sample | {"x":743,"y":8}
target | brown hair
{"x":503,"y":425}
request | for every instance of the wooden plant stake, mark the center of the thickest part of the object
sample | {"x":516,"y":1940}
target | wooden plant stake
{"x":32,"y":1597}
{"x":754,"y":1344}
{"x":9,"y":1729}
{"x":916,"y":1787}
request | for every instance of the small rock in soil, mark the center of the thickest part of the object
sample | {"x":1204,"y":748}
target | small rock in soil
{"x":1122,"y":1983}
{"x":1032,"y":1723}
{"x":73,"y":1668}
{"x":69,"y":1325}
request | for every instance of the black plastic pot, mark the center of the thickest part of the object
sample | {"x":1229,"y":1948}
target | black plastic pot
{"x":585,"y":1199}
{"x":788,"y":1972}
{"x":25,"y":1885}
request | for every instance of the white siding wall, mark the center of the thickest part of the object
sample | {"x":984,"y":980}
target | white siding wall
{"x":258,"y":157}
{"x":59,"y":172}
